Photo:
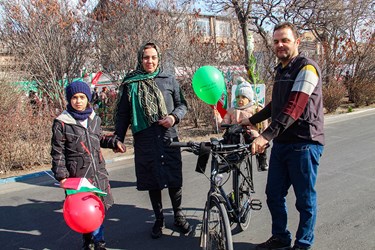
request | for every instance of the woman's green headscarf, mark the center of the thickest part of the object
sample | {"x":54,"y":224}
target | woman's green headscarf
{"x":147,"y":101}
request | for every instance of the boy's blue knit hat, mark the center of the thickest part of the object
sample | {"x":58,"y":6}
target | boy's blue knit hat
{"x":77,"y":87}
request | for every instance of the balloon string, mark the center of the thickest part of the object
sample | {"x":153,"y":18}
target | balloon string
{"x":216,"y":121}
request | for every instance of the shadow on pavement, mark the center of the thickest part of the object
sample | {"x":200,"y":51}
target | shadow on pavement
{"x":40,"y":225}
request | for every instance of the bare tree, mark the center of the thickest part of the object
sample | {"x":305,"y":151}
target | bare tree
{"x":242,"y":11}
{"x":52,"y":39}
{"x":339,"y":26}
{"x":124,"y":26}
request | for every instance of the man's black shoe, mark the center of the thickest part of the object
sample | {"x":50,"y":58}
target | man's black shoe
{"x":274,"y":243}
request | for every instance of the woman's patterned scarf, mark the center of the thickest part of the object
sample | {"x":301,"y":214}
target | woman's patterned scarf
{"x":147,"y":101}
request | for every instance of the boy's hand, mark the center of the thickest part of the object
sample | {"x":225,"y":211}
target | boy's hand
{"x":121,"y":148}
{"x":62,"y":182}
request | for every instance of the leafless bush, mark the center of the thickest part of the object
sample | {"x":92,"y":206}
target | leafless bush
{"x":333,"y":93}
{"x":362,"y":93}
{"x":25,"y":132}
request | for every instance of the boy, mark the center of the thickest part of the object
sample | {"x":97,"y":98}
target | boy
{"x":76,"y":141}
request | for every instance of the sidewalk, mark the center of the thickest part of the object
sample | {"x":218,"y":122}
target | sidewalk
{"x":108,"y":155}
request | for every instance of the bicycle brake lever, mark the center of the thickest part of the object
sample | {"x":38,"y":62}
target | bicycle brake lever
{"x":187,"y":150}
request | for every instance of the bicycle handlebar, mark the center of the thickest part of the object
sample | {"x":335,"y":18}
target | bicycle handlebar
{"x":182,"y":144}
{"x":204,"y":149}
{"x":215,"y":145}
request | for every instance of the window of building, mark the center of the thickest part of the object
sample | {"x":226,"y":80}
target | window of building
{"x":222,"y":28}
{"x":203,"y":26}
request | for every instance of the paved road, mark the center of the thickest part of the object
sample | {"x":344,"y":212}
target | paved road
{"x":31,"y":209}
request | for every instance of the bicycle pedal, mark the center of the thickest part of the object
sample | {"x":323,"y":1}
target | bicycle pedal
{"x":256,"y":204}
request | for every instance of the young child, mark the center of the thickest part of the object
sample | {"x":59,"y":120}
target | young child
{"x":244,"y":107}
{"x":76,"y":141}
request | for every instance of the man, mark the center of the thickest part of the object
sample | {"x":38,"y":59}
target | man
{"x":95,"y":96}
{"x":296,"y":129}
{"x":103,"y":96}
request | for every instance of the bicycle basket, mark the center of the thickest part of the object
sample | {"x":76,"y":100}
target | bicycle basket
{"x":236,"y":135}
{"x":204,"y":154}
{"x":234,"y":157}
{"x":233,"y":135}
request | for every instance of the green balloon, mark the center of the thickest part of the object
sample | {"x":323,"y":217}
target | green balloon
{"x":208,"y":84}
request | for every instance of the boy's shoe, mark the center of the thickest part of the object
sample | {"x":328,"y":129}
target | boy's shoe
{"x":273,"y":243}
{"x":99,"y":245}
{"x":296,"y":247}
{"x":87,"y":241}
{"x":182,"y":224}
{"x":262,"y":162}
{"x":157,"y":229}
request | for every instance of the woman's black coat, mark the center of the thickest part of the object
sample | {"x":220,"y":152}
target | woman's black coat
{"x":157,"y":165}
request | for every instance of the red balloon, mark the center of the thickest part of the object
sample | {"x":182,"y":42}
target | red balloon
{"x":83,"y":212}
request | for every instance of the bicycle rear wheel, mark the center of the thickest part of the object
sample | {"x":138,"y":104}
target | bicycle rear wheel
{"x":245,"y":188}
{"x":217,"y":227}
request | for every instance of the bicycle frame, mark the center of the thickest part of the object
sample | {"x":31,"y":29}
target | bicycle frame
{"x":232,"y":203}
{"x":226,"y":209}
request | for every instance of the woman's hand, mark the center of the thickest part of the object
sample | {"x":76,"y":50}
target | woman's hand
{"x":167,"y":121}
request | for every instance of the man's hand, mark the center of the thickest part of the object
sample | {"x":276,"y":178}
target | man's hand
{"x":167,"y":121}
{"x":259,"y":145}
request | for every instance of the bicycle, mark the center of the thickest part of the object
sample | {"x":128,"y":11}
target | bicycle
{"x":223,"y":209}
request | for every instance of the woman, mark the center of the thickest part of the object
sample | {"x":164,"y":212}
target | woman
{"x":152,"y":103}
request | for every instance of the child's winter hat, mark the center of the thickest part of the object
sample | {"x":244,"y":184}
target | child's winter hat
{"x":77,"y":87}
{"x":244,"y":88}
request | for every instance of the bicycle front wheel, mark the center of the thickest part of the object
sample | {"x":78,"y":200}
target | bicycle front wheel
{"x":217,"y":226}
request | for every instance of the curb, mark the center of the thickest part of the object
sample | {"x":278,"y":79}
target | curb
{"x":49,"y":172}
